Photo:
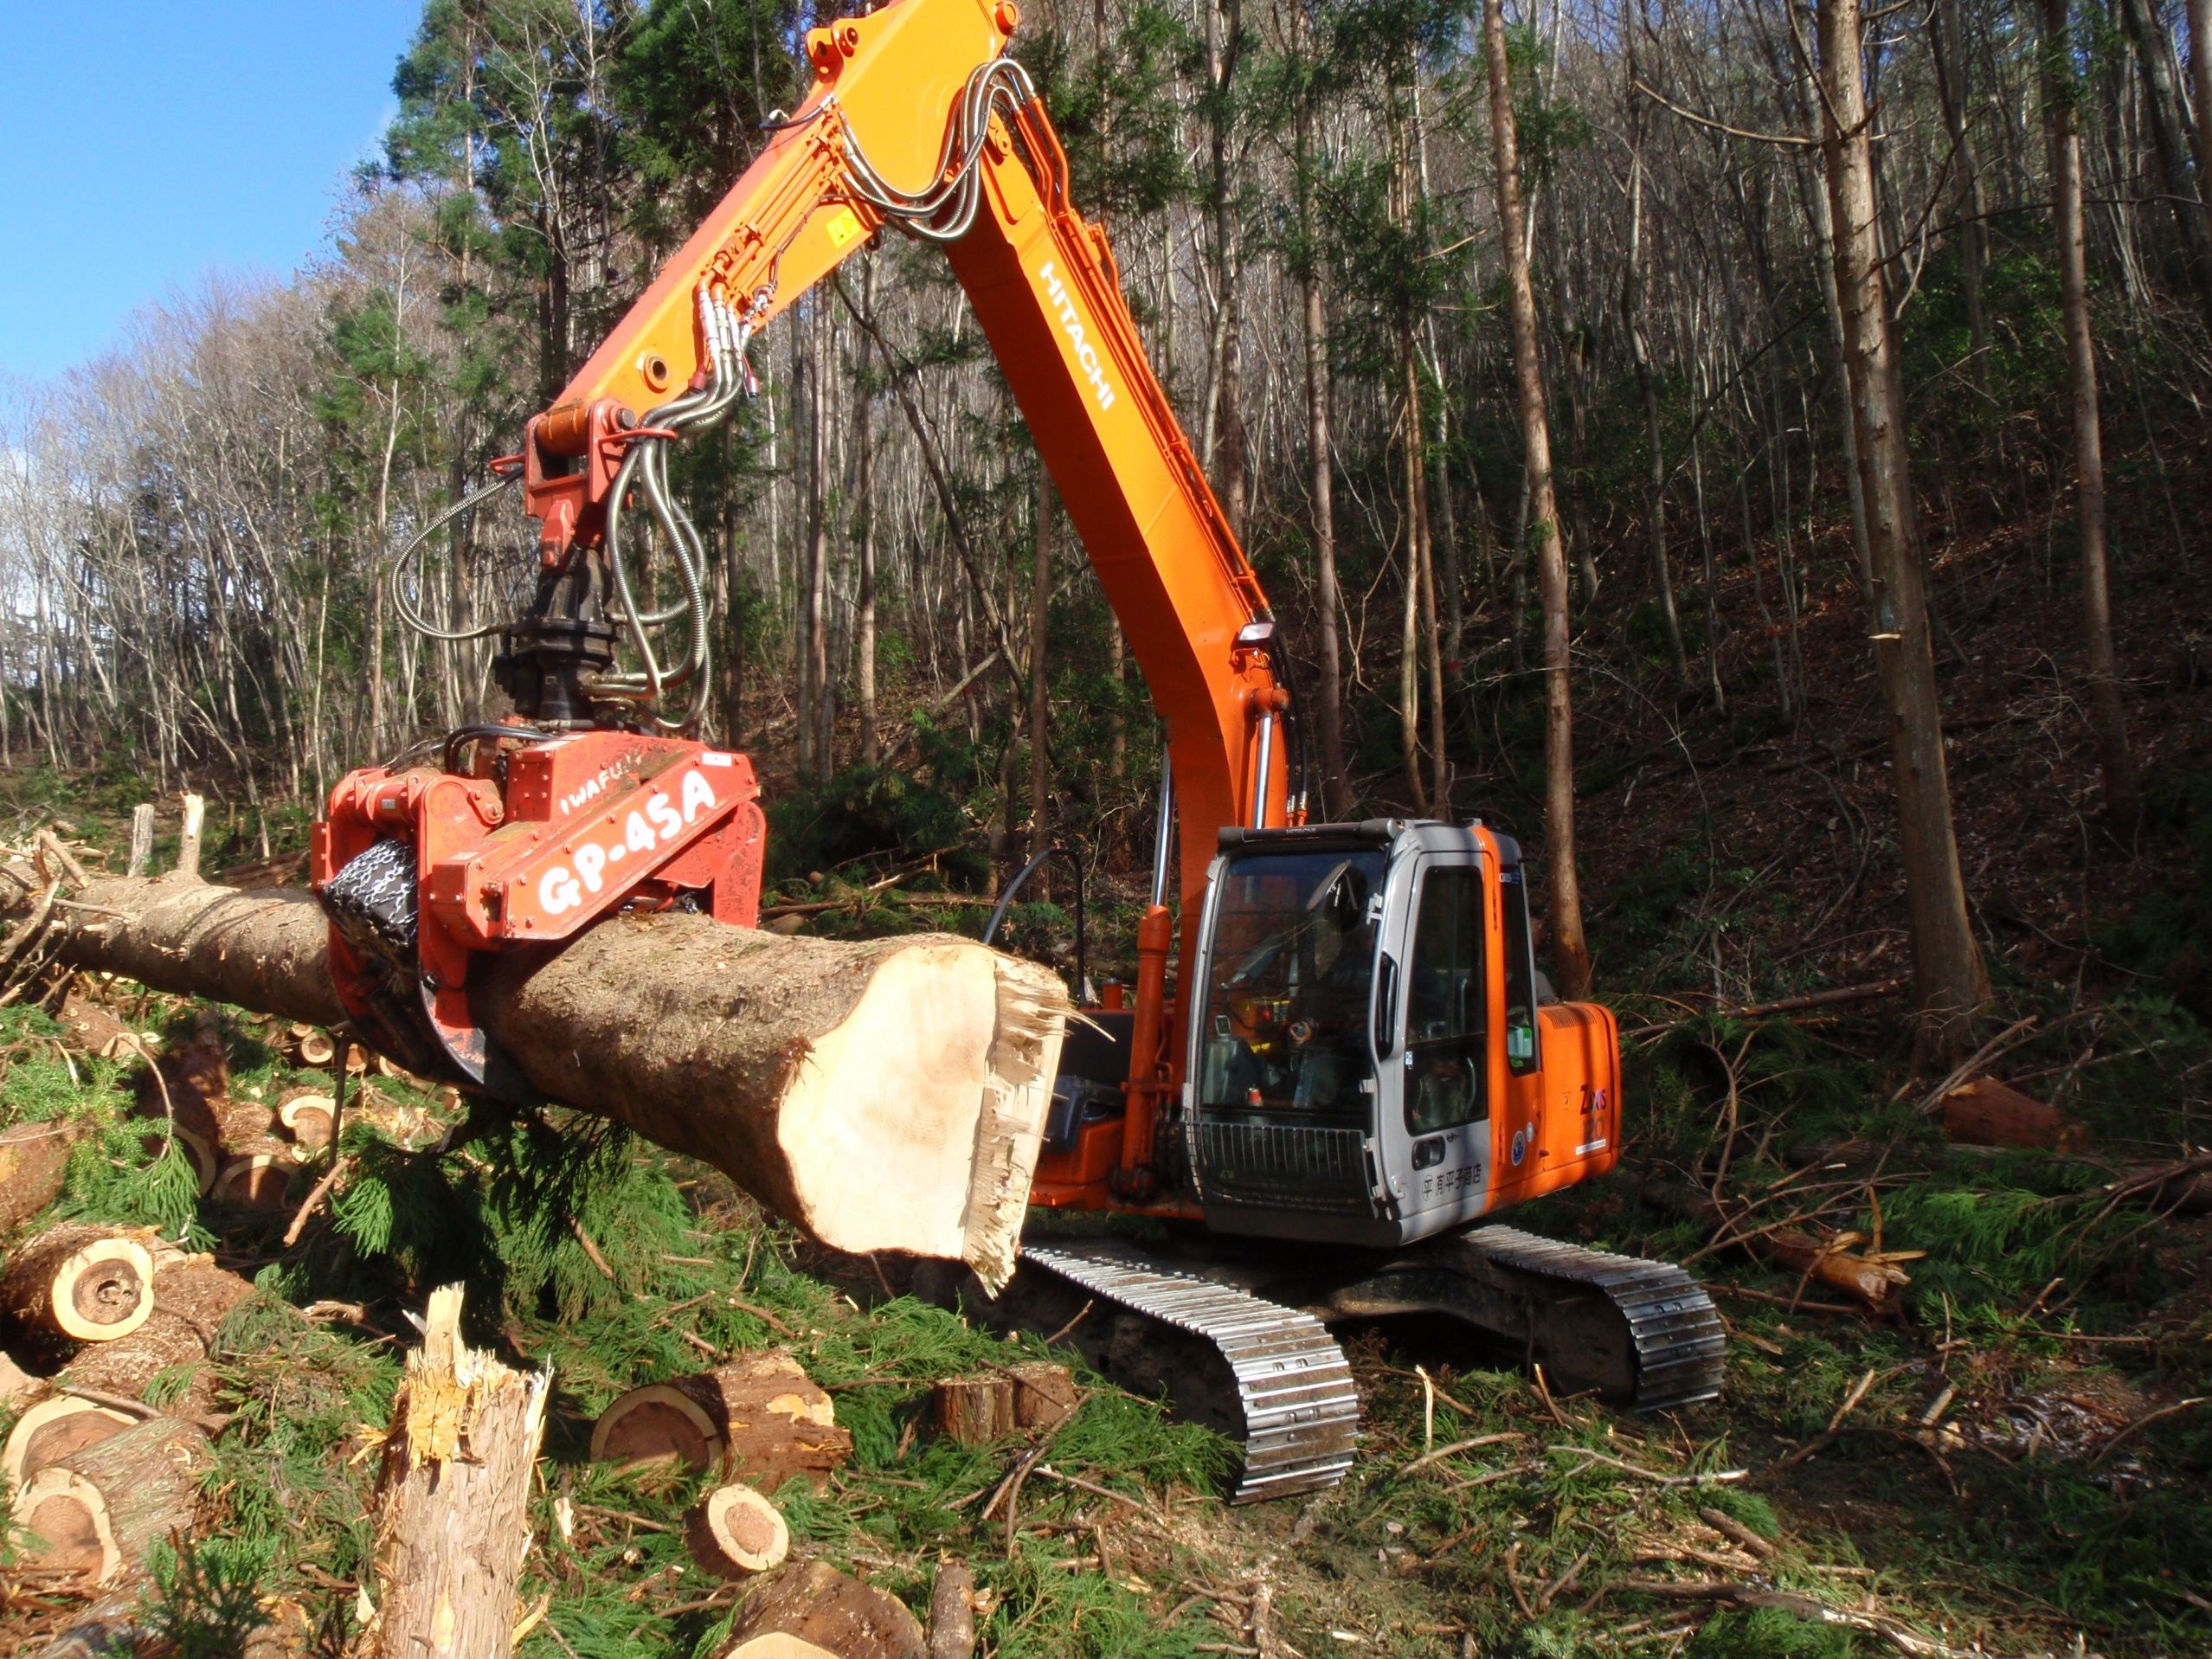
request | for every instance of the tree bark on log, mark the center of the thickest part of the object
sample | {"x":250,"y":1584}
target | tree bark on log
{"x":453,"y":1499}
{"x":80,"y":1285}
{"x":883,"y":1095}
{"x":191,"y":1300}
{"x":760,"y":1420}
{"x":33,"y":1157}
{"x":818,"y":1604}
{"x":104,"y":1509}
{"x":53,"y":1431}
{"x":952,"y":1613}
{"x":974,"y":1410}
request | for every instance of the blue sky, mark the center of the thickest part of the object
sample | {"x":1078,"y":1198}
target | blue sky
{"x":150,"y":141}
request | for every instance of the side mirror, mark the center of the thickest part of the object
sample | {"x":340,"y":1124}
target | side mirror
{"x":1386,"y":1005}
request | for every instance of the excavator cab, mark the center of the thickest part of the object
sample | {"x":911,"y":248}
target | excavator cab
{"x":1368,"y":1043}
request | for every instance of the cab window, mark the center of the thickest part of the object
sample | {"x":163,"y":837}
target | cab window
{"x":1520,"y":974}
{"x":1445,"y":1003}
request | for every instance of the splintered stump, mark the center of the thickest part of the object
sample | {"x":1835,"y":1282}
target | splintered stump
{"x":33,"y":1158}
{"x":78,"y":1284}
{"x":735,"y":1533}
{"x":760,"y":1420}
{"x":453,"y":1499}
{"x":98,"y":1514}
{"x":53,"y":1431}
{"x":883,"y":1095}
{"x":816,"y":1603}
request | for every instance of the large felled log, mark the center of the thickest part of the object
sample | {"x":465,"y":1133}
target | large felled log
{"x":818,"y":1604}
{"x":1984,"y":1112}
{"x":453,"y":1499}
{"x":761,"y":1419}
{"x":99,"y":1513}
{"x":883,"y":1095}
{"x":80,"y":1285}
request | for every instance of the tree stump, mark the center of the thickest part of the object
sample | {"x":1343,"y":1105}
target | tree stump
{"x":974,"y":1410}
{"x":760,"y":1420}
{"x":192,"y":1297}
{"x":33,"y":1157}
{"x":79,"y":1283}
{"x":52,"y":1431}
{"x":952,"y":1613}
{"x":816,"y":1603}
{"x":735,"y":1533}
{"x":101,"y":1512}
{"x":1044,"y":1394}
{"x":453,"y":1499}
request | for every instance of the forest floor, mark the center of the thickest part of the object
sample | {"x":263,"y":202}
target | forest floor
{"x":2007,"y":1450}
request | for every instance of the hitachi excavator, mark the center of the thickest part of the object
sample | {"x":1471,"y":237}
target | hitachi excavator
{"x":1346,"y":1054}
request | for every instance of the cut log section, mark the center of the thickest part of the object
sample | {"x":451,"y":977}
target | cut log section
{"x":257,"y":1176}
{"x":309,"y":1116}
{"x":88,"y":1284}
{"x":1045,"y":1394}
{"x":33,"y":1158}
{"x":100,"y":1513}
{"x":883,"y":1094}
{"x":776,"y":1645}
{"x":760,"y":1420}
{"x":735,"y":1533}
{"x":832,"y":1610}
{"x":192,"y":1297}
{"x":317,"y":1048}
{"x":1986,"y":1113}
{"x":453,"y":1499}
{"x":52,"y":1432}
{"x":974,"y":1410}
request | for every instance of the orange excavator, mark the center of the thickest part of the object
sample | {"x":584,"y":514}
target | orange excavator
{"x":1346,"y":1054}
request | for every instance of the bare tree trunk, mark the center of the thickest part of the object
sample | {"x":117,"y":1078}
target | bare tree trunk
{"x":2200,"y":75}
{"x":813,"y":643}
{"x":2061,"y":93}
{"x":1949,"y":981}
{"x":1951,"y":85}
{"x":2162,"y":101}
{"x":1040,"y":690}
{"x":1336,"y":796}
{"x":1635,"y":301}
{"x":864,"y":621}
{"x":1570,"y":953}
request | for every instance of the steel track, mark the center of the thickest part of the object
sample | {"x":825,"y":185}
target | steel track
{"x":1301,"y":1409}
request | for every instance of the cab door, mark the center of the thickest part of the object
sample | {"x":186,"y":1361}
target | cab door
{"x":1435,"y":1086}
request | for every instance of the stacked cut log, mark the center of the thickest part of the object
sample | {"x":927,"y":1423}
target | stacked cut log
{"x":882,"y":1095}
{"x":815,"y":1602}
{"x":98,"y":1514}
{"x":760,"y":1420}
{"x":453,"y":1499}
{"x":33,"y":1158}
{"x":192,"y":1297}
{"x":77,"y":1283}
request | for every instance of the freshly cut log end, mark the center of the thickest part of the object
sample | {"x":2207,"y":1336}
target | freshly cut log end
{"x":310,"y":1116}
{"x":258,"y":1177}
{"x":316,"y":1049}
{"x":760,"y":1420}
{"x":114,"y":1500}
{"x":53,"y":1431}
{"x":735,"y":1533}
{"x":88,"y":1284}
{"x":452,"y":1498}
{"x":816,"y":1603}
{"x":65,"y":1520}
{"x":974,"y":1410}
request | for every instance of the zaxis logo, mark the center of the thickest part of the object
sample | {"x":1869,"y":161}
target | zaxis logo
{"x":1094,"y":367}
